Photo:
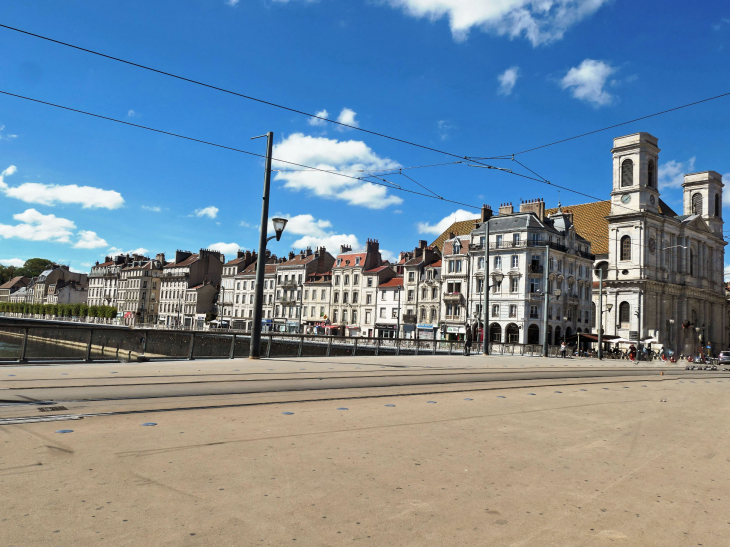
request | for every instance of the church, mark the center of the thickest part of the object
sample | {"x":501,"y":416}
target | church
{"x":664,"y":272}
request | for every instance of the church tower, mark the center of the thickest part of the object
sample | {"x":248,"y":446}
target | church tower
{"x":635,"y":166}
{"x":703,"y":196}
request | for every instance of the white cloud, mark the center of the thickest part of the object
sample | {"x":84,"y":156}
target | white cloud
{"x":89,"y":240}
{"x":51,"y":194}
{"x":17,"y":262}
{"x":6,"y":136}
{"x":301,"y":225}
{"x":333,"y":155}
{"x":540,"y":21}
{"x":444,"y":129}
{"x":210,"y":212}
{"x":388,"y":255}
{"x":245,"y":224}
{"x":86,"y":264}
{"x":153,"y":209}
{"x":232,"y":2}
{"x":586,"y":82}
{"x":347,"y":116}
{"x":131,"y":113}
{"x":671,"y":173}
{"x":316,"y":121}
{"x":507,"y":80}
{"x":35,"y":226}
{"x":444,"y":223}
{"x":228,"y":249}
{"x":330,"y":242}
{"x":727,"y":272}
{"x":116,"y":251}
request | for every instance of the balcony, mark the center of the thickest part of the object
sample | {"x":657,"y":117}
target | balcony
{"x":452,"y":297}
{"x":289,"y":285}
{"x":410,"y":319}
{"x":535,"y":269}
{"x":171,"y":274}
{"x":288,"y":301}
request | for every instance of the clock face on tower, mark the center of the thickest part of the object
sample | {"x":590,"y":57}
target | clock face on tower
{"x":651,"y":200}
{"x":626,"y":198}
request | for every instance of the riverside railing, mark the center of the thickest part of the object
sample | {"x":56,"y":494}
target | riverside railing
{"x":38,"y":341}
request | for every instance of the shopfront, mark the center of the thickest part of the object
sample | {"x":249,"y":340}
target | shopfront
{"x":426,"y":331}
{"x":385,"y":331}
{"x":267,"y":325}
{"x":455,"y":333}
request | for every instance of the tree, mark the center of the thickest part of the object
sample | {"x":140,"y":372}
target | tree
{"x":34,"y":266}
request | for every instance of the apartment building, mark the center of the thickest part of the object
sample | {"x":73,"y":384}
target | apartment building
{"x":429,"y":304}
{"x":455,"y":272}
{"x":290,"y":279}
{"x":104,"y":280}
{"x":188,"y":271}
{"x":416,"y":291}
{"x":12,"y":286}
{"x":67,"y":292}
{"x":50,"y":277}
{"x":231,"y":269}
{"x":387,"y":309}
{"x":139,"y":291}
{"x":371,"y":300}
{"x":245,"y":296}
{"x":347,"y":285}
{"x":199,"y":301}
{"x":316,"y":303}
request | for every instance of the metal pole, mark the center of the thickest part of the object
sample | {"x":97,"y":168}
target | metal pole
{"x":600,"y":313}
{"x":255,"y":350}
{"x":546,"y":342}
{"x":485,"y":288}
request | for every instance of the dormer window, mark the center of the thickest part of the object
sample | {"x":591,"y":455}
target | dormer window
{"x":339,"y":261}
{"x":357,"y":261}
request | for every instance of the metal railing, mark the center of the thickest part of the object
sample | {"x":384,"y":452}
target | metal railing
{"x":44,"y":341}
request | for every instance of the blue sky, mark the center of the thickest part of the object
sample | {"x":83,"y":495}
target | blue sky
{"x":472,"y":77}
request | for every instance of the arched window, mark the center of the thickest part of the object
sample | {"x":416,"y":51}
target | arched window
{"x":626,"y":248}
{"x":593,"y":314}
{"x":650,"y":170}
{"x":697,"y":204}
{"x":533,"y":334}
{"x":717,"y":205}
{"x":624,"y":314}
{"x":627,"y":173}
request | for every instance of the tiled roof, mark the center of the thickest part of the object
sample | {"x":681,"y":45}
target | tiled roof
{"x":234,"y":261}
{"x":104,"y":264}
{"x":352,"y":257}
{"x":448,"y":245}
{"x":460,"y":228}
{"x":436,"y":264}
{"x":378,"y":269}
{"x":189,"y":260}
{"x":298,"y":260}
{"x":392,"y":283}
{"x":590,"y":223}
{"x":10,"y":284}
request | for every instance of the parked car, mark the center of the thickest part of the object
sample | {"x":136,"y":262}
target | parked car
{"x":724,"y":358}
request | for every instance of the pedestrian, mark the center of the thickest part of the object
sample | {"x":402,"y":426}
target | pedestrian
{"x":562,"y":349}
{"x":467,"y":342}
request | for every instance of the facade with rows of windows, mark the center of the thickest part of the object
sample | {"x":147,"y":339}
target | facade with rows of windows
{"x":664,"y":271}
{"x":527,"y":249}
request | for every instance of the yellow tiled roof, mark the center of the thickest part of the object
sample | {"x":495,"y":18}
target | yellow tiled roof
{"x":460,"y":228}
{"x":590,"y":223}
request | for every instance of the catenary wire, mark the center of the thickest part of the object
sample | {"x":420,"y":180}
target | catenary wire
{"x":270,"y":103}
{"x":230,"y":92}
{"x":217,"y":145}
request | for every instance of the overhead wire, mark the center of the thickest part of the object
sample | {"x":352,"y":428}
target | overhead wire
{"x":389,"y":184}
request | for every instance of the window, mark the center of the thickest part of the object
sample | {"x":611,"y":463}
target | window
{"x":570,"y":314}
{"x":354,"y":316}
{"x":334,"y":314}
{"x":480,"y":263}
{"x":337,"y":278}
{"x":550,"y":312}
{"x":347,"y":280}
{"x":337,"y":297}
{"x":344,"y":316}
{"x":424,"y":291}
{"x":312,"y":311}
{"x":354,"y":297}
{"x":321,"y":311}
{"x":496,"y":286}
{"x":497,"y":262}
{"x":499,"y":242}
{"x":314,"y":294}
{"x":344,"y":297}
{"x":717,"y":206}
{"x":534,"y":285}
{"x":367,"y":317}
{"x":370,"y":281}
{"x":515,"y":239}
{"x":324,"y":295}
{"x":480,"y":285}
{"x":434,"y":294}
{"x":626,"y":248}
{"x":339,"y":261}
{"x":560,"y":264}
{"x":306,"y":295}
{"x":451,"y":266}
{"x":411,"y":277}
{"x":570,"y":268}
{"x":697,"y":203}
{"x":515,"y":261}
{"x":355,"y":279}
{"x":357,"y":261}
{"x":368,"y":298}
{"x":513,"y":310}
{"x":627,"y":173}
{"x":533,"y":312}
{"x":624,"y":314}
{"x":514,"y":284}
{"x":423,"y":314}
{"x":394,"y":313}
{"x":458,"y":265}
{"x":651,"y":183}
{"x":410,"y":296}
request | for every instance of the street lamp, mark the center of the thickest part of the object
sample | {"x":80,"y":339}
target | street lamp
{"x":497,"y":278}
{"x":279,"y":224}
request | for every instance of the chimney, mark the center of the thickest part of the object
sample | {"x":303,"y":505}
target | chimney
{"x":160,"y":258}
{"x":181,"y":255}
{"x":291,"y":255}
{"x":321,"y":259}
{"x":505,"y":209}
{"x":308,"y":251}
{"x":240,"y":254}
{"x":486,"y":213}
{"x":422,"y":243}
{"x":345,"y":249}
{"x":536,"y":206}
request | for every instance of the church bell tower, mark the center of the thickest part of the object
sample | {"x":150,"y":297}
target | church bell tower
{"x":635,"y":167}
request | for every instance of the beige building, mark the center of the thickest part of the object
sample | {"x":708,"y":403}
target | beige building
{"x":10,"y":287}
{"x":227,"y":295}
{"x":104,"y":280}
{"x":50,"y":277}
{"x":245,"y":296}
{"x":316,"y":303}
{"x":199,"y":302}
{"x":63,"y":292}
{"x":139,"y":291}
{"x":188,"y":271}
{"x":421,"y":297}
